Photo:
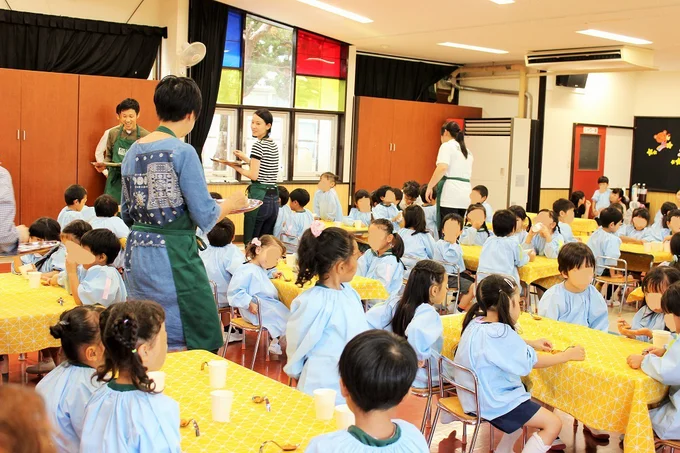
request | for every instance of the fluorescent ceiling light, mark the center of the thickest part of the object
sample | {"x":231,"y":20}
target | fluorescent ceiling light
{"x":339,"y":11}
{"x":503,"y":2}
{"x":466,"y":47}
{"x":613,"y":36}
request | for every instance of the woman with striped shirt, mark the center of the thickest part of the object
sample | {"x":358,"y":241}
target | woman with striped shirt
{"x":263,"y":171}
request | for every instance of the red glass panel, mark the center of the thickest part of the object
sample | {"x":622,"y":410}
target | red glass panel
{"x":320,"y":56}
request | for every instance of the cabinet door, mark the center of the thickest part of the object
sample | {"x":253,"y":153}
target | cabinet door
{"x":143,"y":91}
{"x":49,"y":118}
{"x":98,"y":98}
{"x":374,"y":137}
{"x":10,"y":130}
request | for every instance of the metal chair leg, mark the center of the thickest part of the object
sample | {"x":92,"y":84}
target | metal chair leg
{"x":434,"y":426}
{"x":463,"y":448}
{"x":267,"y":341}
{"x":226,"y":344}
{"x":426,"y":414}
{"x":257,"y":346}
{"x":492,"y":448}
{"x":474,"y":437}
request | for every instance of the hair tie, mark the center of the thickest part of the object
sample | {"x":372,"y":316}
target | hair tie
{"x":674,"y":259}
{"x":256,"y":242}
{"x":317,"y":228}
{"x":134,"y":351}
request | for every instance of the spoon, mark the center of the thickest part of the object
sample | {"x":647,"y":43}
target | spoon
{"x":183,"y":423}
{"x":284,"y":447}
{"x":536,"y":317}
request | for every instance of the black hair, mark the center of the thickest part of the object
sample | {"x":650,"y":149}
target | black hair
{"x":576,"y":197}
{"x":610,"y":215}
{"x":215,"y":195}
{"x":105,"y":206}
{"x":397,"y":243}
{"x":77,"y":229}
{"x":423,"y":191}
{"x":176,"y":97}
{"x":124,"y":327}
{"x":504,"y":222}
{"x":77,"y":327}
{"x":377,"y":368}
{"x":670,"y":301}
{"x":73,"y":193}
{"x":603,"y":179}
{"x":660,"y":277}
{"x":621,"y":208}
{"x":102,"y":240}
{"x":494,"y":293}
{"x":382,"y":191}
{"x":622,"y":195}
{"x":45,"y":229}
{"x":675,"y":250}
{"x":454,"y":130}
{"x":483,"y":191}
{"x":414,"y":219}
{"x":301,"y":196}
{"x":398,"y":194}
{"x":128,"y":104}
{"x":667,"y":207}
{"x":222,"y":233}
{"x":474,"y":207}
{"x":265,"y":240}
{"x":574,"y":255}
{"x":360,"y":194}
{"x":455,"y":217}
{"x":562,"y":205}
{"x":521,"y":214}
{"x":317,"y":255}
{"x":267,"y":117}
{"x":374,"y":198}
{"x":331,"y":176}
{"x":670,"y":215}
{"x":553,"y":217}
{"x":643,"y":213}
{"x":411,"y":189}
{"x":417,"y":291}
{"x":284,"y":196}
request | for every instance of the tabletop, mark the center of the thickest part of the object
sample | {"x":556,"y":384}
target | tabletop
{"x":585,"y":226}
{"x":538,"y":269}
{"x":639,"y":249}
{"x":349,"y":229}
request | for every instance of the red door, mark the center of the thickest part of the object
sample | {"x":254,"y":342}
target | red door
{"x":587,"y":162}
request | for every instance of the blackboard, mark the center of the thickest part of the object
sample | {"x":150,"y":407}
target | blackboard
{"x":656,"y":157}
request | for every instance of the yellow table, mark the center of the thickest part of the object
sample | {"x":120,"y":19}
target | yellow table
{"x":27,"y":314}
{"x":288,"y":290}
{"x":578,"y":227}
{"x":539,"y":269}
{"x":638,"y":249}
{"x":292,"y":418}
{"x":349,"y":229}
{"x":602,"y":392}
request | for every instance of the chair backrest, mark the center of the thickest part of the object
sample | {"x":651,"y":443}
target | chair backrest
{"x":639,"y":262}
{"x":214,"y":290}
{"x":620,"y":266}
{"x":445,"y":378}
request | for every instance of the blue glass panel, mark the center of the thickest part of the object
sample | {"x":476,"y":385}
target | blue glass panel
{"x":232,"y":45}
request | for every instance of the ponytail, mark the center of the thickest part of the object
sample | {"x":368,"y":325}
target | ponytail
{"x":77,"y":327}
{"x":494,"y":293}
{"x":317,"y":254}
{"x":417,"y":292}
{"x":480,"y":207}
{"x":454,"y":130}
{"x":521,"y":214}
{"x":397,"y":247}
{"x":264,"y":241}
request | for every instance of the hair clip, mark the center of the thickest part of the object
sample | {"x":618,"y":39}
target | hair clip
{"x":125,"y":321}
{"x":63,"y":323}
{"x":134,"y":351}
{"x":317,"y":228}
{"x":510,"y":283}
{"x":674,"y":259}
{"x":256,"y":242}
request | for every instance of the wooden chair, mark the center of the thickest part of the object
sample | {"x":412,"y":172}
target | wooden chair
{"x":451,"y":404}
{"x":238,"y":322}
{"x":618,"y":281}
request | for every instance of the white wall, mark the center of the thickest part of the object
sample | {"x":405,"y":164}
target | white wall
{"x":495,"y":105}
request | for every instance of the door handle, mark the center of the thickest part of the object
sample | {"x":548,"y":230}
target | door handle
{"x":390,"y":147}
{"x":18,"y":137}
{"x":24,"y":135}
{"x":395,"y":147}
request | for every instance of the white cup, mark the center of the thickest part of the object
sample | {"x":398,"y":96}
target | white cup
{"x":358,"y":224}
{"x":667,"y":246}
{"x":344,"y":418}
{"x":34,"y":280}
{"x":537,"y":227}
{"x":159,"y":378}
{"x":324,"y":403}
{"x":221,"y":404}
{"x":291,"y":260}
{"x":218,"y":373}
{"x":657,"y":246}
{"x":647,"y":246}
{"x":660,"y":338}
{"x":337,"y":224}
{"x":25,"y":269}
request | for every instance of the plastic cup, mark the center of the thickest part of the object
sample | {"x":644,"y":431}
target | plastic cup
{"x":660,"y":338}
{"x":324,"y":403}
{"x":358,"y":224}
{"x":218,"y":373}
{"x":657,"y":246}
{"x":291,"y":260}
{"x":159,"y":378}
{"x":34,"y":280}
{"x":647,"y":246}
{"x":337,"y":224}
{"x":25,"y":269}
{"x":344,"y":418}
{"x":221,"y":405}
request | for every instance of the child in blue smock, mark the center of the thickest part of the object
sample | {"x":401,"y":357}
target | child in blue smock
{"x":376,"y":372}
{"x":222,"y":258}
{"x":502,"y":253}
{"x":387,"y":208}
{"x":326,"y":202}
{"x":523,"y":223}
{"x":604,"y":241}
{"x":430,"y":209}
{"x":564,"y":209}
{"x":476,"y":231}
{"x":576,"y":300}
{"x":293,"y":220}
{"x":494,"y":351}
{"x":326,"y":317}
{"x":253,"y":280}
{"x":418,"y":244}
{"x":601,"y":196}
{"x":664,"y":366}
{"x":638,"y":232}
{"x":355,"y":213}
{"x":128,"y":415}
{"x":383,"y":261}
{"x":73,"y":232}
{"x":650,"y":316}
{"x":106,"y":208}
{"x":670,"y":225}
{"x":479,"y":195}
{"x":102,"y":283}
{"x":547,"y":241}
{"x":666,"y":207}
{"x":43,"y":229}
{"x":67,"y":389}
{"x":448,"y":252}
{"x":75,"y":197}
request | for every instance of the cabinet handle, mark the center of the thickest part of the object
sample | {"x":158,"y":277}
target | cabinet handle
{"x":395,"y":147}
{"x":18,"y":137}
{"x":24,"y":135}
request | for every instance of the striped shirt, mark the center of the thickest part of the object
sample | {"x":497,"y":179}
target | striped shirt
{"x":267,"y":153}
{"x":9,"y":236}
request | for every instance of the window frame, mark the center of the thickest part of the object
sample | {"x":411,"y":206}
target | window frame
{"x":334,"y":148}
{"x":284,"y":137}
{"x":212,"y":179}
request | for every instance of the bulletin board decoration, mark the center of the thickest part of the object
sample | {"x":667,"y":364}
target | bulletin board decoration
{"x":656,"y":160}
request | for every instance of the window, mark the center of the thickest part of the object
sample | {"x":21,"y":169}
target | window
{"x":230,"y":87}
{"x":268,"y":64}
{"x":279,"y":134}
{"x":232,"y":45}
{"x":320,"y":56}
{"x":318,"y":93}
{"x":589,"y":154}
{"x":316,"y":138}
{"x":221,"y":143}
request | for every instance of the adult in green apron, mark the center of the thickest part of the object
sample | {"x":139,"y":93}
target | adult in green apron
{"x":164,"y":198}
{"x":263,"y":171}
{"x":450,"y":182}
{"x":120,"y":147}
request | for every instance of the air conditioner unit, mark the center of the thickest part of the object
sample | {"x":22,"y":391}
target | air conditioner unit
{"x":591,"y":59}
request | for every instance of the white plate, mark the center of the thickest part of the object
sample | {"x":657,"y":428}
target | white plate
{"x":251,"y":206}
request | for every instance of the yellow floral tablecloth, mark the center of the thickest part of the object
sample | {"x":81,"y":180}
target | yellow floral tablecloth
{"x":579,"y":226}
{"x":636,"y":295}
{"x":602,"y":392}
{"x":659,"y":257}
{"x":539,"y":269}
{"x":349,"y":229}
{"x":27,"y":314}
{"x":288,"y":290}
{"x":292,"y":418}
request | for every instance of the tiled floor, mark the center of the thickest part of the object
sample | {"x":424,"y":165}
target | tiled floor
{"x":411,"y":409}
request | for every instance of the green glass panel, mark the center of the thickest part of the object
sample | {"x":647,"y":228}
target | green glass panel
{"x":319,"y":93}
{"x":230,"y":87}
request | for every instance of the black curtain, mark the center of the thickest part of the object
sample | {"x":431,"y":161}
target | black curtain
{"x":207,"y":24}
{"x":39,"y":42}
{"x":397,"y":79}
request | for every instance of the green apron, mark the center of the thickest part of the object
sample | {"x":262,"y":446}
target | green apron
{"x":118,"y":151}
{"x":257,"y":191}
{"x":440,"y":189}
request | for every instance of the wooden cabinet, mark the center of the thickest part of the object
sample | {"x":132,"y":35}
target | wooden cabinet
{"x":398,"y":140}
{"x":10,"y":129}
